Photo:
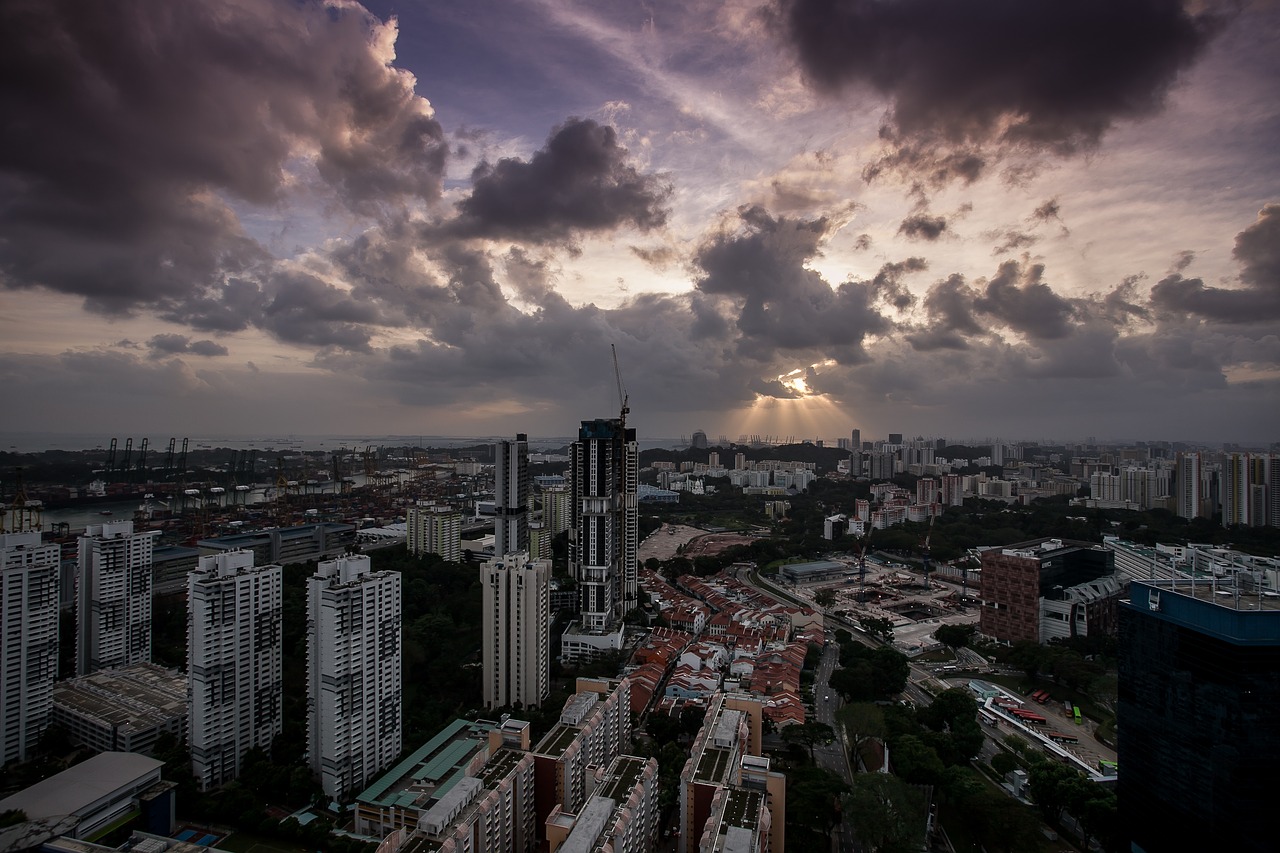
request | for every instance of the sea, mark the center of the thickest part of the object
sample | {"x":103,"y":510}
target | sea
{"x":34,"y":442}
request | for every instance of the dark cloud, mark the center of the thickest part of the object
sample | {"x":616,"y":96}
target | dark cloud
{"x":131,"y":122}
{"x":1257,"y":250}
{"x":781,"y":305}
{"x":1044,"y":75}
{"x":888,"y":284}
{"x":1017,"y":297}
{"x":922,"y":226}
{"x":1050,"y":210}
{"x":580,"y":182}
{"x":1011,"y":241}
{"x":165,"y":345}
{"x":862,"y":243}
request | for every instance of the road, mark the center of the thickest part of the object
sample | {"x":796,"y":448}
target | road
{"x":833,"y":756}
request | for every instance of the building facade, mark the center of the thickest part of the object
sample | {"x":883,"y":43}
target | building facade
{"x":233,"y":662}
{"x":1019,"y":581}
{"x":1199,"y":702}
{"x":113,"y":597}
{"x":604,"y":466}
{"x":353,"y":670}
{"x":511,"y":496}
{"x":516,"y":632}
{"x":29,"y":638}
{"x":435,"y":529}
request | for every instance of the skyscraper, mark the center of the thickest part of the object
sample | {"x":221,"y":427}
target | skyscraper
{"x":1236,"y":494}
{"x":1199,"y":704}
{"x":511,"y":496}
{"x":557,"y":509}
{"x":604,"y":466}
{"x":113,"y":596}
{"x":353,"y":672}
{"x":1188,"y":475}
{"x":516,"y":633}
{"x":28,"y":640}
{"x":857,"y":439}
{"x":233,"y":662}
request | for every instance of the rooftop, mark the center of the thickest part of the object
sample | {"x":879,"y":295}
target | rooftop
{"x":136,"y":696}
{"x":82,"y":785}
{"x":1218,"y":593}
{"x":431,"y":769}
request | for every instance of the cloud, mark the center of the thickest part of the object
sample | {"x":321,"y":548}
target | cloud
{"x":164,"y":345}
{"x":580,"y":182}
{"x":1257,"y":250}
{"x":922,"y":226}
{"x":142,"y":123}
{"x":1017,"y":297}
{"x":1044,"y":74}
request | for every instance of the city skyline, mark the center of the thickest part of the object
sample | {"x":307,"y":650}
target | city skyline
{"x":1040,"y":220}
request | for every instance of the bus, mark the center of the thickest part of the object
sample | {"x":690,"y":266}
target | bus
{"x":988,"y":718}
{"x":1079,"y":717}
{"x":1029,"y":716}
{"x":1059,"y":737}
{"x":1110,"y":768}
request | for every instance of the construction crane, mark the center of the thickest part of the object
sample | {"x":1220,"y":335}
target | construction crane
{"x":21,"y":515}
{"x":622,"y":395}
{"x":862,"y":568}
{"x":928,"y":533}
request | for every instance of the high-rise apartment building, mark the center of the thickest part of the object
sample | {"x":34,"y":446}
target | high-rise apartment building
{"x":113,"y":596}
{"x":1199,"y":702}
{"x":511,"y":496}
{"x":604,"y":466}
{"x":435,"y":529}
{"x":557,"y":509}
{"x":857,"y":439}
{"x":1236,"y":494}
{"x":353,"y":671}
{"x":233,"y":662}
{"x":895,"y":438}
{"x":516,"y":634}
{"x":28,"y":640}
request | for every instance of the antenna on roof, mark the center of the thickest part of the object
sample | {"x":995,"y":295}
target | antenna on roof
{"x":622,"y":395}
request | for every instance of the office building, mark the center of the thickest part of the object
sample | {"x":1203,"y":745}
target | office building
{"x":1199,"y":705}
{"x":516,"y":634}
{"x":286,"y":545}
{"x":113,"y":597}
{"x":122,"y":710}
{"x":353,"y":672}
{"x":1048,"y":588}
{"x":433,"y":528}
{"x":233,"y":661}
{"x":511,"y":496}
{"x":604,"y":467}
{"x":29,"y":634}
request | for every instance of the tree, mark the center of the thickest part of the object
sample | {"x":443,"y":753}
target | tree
{"x":955,"y":636}
{"x":915,"y":761}
{"x":808,"y":734}
{"x":824,"y":598}
{"x":861,"y":721}
{"x":813,"y":797}
{"x":1028,"y":656}
{"x":878,"y":627}
{"x":1003,"y":763}
{"x":887,"y":814}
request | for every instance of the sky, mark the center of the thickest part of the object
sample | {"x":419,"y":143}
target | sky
{"x":791,"y":218}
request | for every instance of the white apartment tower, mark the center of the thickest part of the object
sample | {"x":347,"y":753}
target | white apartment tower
{"x":517,"y":630}
{"x":233,"y":662}
{"x":511,"y":496}
{"x":113,"y":597}
{"x":353,"y":673}
{"x":29,"y":638}
{"x":1188,"y":485}
{"x":435,"y":529}
{"x":557,"y":509}
{"x":604,"y":467}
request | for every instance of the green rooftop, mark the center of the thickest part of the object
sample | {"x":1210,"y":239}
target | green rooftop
{"x":431,"y":764}
{"x":618,"y":786}
{"x":712,"y":765}
{"x":557,"y":740}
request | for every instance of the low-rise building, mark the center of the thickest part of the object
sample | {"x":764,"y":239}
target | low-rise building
{"x":124,"y":709}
